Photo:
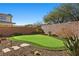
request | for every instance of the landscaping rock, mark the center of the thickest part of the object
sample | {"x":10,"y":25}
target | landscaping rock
{"x":5,"y":50}
{"x":37,"y":53}
{"x":31,"y":51}
{"x":24,"y":44}
{"x":5,"y":42}
{"x":15,"y":47}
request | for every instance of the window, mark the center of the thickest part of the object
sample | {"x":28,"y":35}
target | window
{"x":2,"y":18}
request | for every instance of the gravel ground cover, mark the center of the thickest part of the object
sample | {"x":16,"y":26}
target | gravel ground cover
{"x":30,"y":51}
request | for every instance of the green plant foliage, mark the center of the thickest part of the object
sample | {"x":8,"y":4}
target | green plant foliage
{"x":72,"y":43}
{"x":64,"y":13}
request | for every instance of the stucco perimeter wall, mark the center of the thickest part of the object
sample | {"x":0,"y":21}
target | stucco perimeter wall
{"x":8,"y":31}
{"x":59,"y":28}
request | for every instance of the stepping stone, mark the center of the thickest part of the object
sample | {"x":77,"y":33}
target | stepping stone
{"x":24,"y":44}
{"x":5,"y":50}
{"x":15,"y":47}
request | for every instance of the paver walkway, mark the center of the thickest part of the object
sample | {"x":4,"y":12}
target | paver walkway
{"x":5,"y":50}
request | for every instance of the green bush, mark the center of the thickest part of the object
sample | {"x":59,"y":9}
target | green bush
{"x":38,"y":30}
{"x":16,"y":34}
{"x":1,"y":35}
{"x":54,"y":35}
{"x":49,"y":33}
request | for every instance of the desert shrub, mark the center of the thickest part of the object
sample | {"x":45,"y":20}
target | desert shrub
{"x":38,"y":30}
{"x":49,"y":33}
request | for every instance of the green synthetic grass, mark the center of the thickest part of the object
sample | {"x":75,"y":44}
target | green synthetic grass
{"x":41,"y":40}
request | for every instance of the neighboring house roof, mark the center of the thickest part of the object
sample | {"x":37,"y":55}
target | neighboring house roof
{"x":6,"y":14}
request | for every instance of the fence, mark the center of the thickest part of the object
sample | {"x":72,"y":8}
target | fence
{"x":58,"y":28}
{"x":8,"y":31}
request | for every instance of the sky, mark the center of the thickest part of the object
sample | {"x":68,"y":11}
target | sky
{"x":27,"y":13}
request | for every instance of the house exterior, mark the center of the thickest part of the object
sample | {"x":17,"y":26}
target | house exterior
{"x":6,"y":20}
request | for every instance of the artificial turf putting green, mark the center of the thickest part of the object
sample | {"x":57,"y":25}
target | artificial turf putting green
{"x":41,"y":40}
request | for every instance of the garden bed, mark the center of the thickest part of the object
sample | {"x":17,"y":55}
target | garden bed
{"x":45,"y":45}
{"x":28,"y":51}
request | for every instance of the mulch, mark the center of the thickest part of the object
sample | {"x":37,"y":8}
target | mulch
{"x":29,"y":51}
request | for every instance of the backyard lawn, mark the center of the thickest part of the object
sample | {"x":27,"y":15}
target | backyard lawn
{"x":41,"y":41}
